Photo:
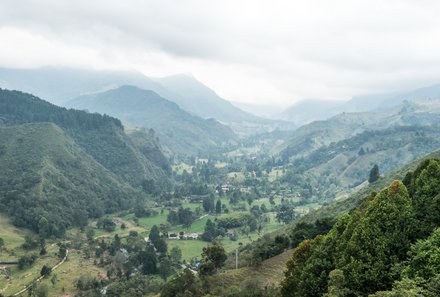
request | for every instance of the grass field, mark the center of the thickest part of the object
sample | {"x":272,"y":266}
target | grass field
{"x":270,"y":273}
{"x":21,"y":278}
{"x":12,"y":236}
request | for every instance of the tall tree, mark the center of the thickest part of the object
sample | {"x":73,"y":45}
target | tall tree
{"x":218,"y":207}
{"x":374,"y":174}
{"x":208,"y":203}
{"x":154,"y":235}
{"x":213,"y":256}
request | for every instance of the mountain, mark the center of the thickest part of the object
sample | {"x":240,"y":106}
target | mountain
{"x":59,"y":85}
{"x":61,"y":167}
{"x":200,"y":100}
{"x":340,"y":167}
{"x":177,"y":129}
{"x":306,"y":111}
{"x":46,"y":174}
{"x":380,"y":102}
{"x":345,"y":125}
{"x":102,"y":137}
{"x":310,"y":110}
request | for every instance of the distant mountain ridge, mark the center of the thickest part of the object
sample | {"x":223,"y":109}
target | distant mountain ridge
{"x":59,"y":85}
{"x":306,"y":111}
{"x":200,"y":100}
{"x":345,"y":125}
{"x":178,"y":130}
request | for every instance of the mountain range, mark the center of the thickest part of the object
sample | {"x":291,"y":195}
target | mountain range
{"x":179,"y":131}
{"x":306,"y":111}
{"x":59,"y":85}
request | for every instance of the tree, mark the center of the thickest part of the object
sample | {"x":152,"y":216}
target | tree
{"x":45,"y":271}
{"x":26,"y":260}
{"x":380,"y":240}
{"x":210,"y":231}
{"x":149,"y":261}
{"x":374,"y":174}
{"x":154,"y":235}
{"x":161,"y":246}
{"x":218,"y":207}
{"x":285,"y":214}
{"x":107,"y":224}
{"x":213,"y":258}
{"x":43,"y":227}
{"x":424,"y":261}
{"x":90,"y":234}
{"x":42,"y":246}
{"x":30,"y":242}
{"x":62,"y":251}
{"x":291,"y":282}
{"x":336,"y":284}
{"x":173,"y":217}
{"x":185,"y":216}
{"x":176,"y":255}
{"x":186,"y":284}
{"x":208,"y":203}
{"x":165,"y":268}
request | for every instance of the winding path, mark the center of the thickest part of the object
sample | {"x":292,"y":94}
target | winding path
{"x":41,"y":277}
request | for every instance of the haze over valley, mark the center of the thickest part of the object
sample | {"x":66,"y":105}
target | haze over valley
{"x":234,"y":149}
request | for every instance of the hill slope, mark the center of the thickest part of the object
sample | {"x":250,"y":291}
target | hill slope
{"x":341,"y":166}
{"x":200,"y":100}
{"x":45,"y":173}
{"x":178,"y":130}
{"x":102,"y":137}
{"x":312,"y":136}
{"x":395,"y":228}
{"x":59,"y":85}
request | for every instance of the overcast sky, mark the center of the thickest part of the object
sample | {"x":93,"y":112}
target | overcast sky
{"x":262,"y":52}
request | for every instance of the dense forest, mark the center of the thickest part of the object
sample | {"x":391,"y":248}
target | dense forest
{"x":65,"y":166}
{"x":383,"y":247}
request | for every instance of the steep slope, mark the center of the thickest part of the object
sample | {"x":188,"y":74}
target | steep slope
{"x":259,"y":276}
{"x":389,"y":242}
{"x":338,"y":167}
{"x":200,"y":100}
{"x":178,"y":130}
{"x":102,"y":137}
{"x":44,"y":173}
{"x":310,"y":137}
{"x":59,"y":85}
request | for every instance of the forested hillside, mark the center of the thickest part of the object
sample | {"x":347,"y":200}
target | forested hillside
{"x":388,"y":243}
{"x":67,"y":166}
{"x":46,"y":174}
{"x":101,"y":136}
{"x":343,"y":165}
{"x":312,"y":136}
{"x":178,"y":130}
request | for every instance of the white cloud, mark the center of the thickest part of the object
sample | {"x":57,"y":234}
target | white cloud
{"x":272,"y":52}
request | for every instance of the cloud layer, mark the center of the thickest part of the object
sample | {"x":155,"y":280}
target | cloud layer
{"x":264,"y":52}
